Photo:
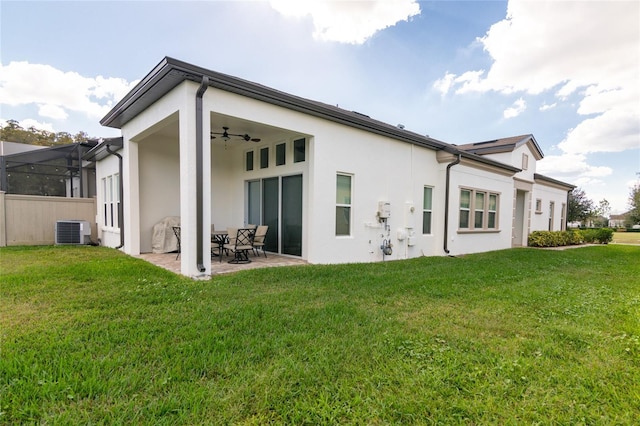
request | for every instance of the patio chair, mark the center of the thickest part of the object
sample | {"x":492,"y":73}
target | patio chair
{"x":176,"y":231}
{"x":258,"y":239}
{"x":240,"y":242}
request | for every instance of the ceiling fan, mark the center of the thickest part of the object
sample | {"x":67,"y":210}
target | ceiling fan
{"x":225,"y":136}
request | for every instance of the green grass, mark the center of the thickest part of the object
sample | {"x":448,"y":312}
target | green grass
{"x":523,"y":336}
{"x":626,"y":237}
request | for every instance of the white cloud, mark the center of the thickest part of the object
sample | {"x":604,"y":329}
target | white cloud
{"x":444,"y":84}
{"x":574,"y":166}
{"x":546,"y":107}
{"x":350,"y":22}
{"x":516,"y":109}
{"x":52,"y":111}
{"x":613,"y":131}
{"x":57,"y":92}
{"x":587,"y":49}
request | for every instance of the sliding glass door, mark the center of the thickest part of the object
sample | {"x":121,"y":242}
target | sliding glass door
{"x":292,"y":215}
{"x":277,"y":203}
{"x":270,"y":213}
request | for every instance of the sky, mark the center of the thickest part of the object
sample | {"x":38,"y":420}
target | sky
{"x":567,"y":72}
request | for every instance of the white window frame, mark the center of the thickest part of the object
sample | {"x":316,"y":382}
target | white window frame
{"x":345,"y":205}
{"x":426,"y":210}
{"x":111,"y":200}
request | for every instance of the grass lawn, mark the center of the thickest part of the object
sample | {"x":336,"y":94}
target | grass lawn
{"x":626,"y":237}
{"x":522,"y":336}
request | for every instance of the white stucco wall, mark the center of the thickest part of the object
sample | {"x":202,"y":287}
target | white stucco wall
{"x":159,"y":169}
{"x":547,"y":194}
{"x":463,"y":241}
{"x":159,"y":181}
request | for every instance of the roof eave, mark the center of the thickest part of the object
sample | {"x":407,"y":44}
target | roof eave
{"x":117,"y":118}
{"x":554,"y":182}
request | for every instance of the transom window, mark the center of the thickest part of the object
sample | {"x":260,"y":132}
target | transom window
{"x":281,"y":152}
{"x":264,"y":158}
{"x":478,"y":210}
{"x":299,"y":150}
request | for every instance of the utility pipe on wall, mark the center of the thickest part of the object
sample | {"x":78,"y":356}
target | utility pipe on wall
{"x":199,"y":172}
{"x":446,"y":202}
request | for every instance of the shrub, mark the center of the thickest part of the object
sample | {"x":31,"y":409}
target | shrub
{"x":598,"y":235}
{"x":555,"y":238}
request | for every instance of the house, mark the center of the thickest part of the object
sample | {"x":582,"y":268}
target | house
{"x":618,"y":220}
{"x":333,"y":185}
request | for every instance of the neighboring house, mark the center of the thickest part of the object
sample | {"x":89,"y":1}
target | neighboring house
{"x":334,"y":186}
{"x":618,"y":220}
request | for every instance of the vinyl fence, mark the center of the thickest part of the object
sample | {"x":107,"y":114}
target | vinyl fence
{"x":31,"y":219}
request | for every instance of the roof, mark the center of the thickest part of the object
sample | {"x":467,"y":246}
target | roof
{"x":101,"y":150}
{"x":559,"y":183}
{"x":170,"y":72}
{"x":502,"y":145}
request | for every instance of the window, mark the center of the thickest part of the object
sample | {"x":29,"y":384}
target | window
{"x":426,"y":210}
{"x":343,"y":205}
{"x":492,"y":211}
{"x":525,"y":161}
{"x":249,"y":161}
{"x":563,"y":217}
{"x":482,"y":206}
{"x":281,"y":154}
{"x":298,"y":150}
{"x":479,"y":210}
{"x":465,"y":208}
{"x":538,"y":206}
{"x":551,"y":212}
{"x":111,"y":194}
{"x":264,"y":158}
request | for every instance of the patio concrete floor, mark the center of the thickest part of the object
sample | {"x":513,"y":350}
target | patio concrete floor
{"x":169,"y":261}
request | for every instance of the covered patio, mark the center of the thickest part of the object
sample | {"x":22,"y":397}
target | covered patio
{"x":195,"y":149}
{"x":168,"y":261}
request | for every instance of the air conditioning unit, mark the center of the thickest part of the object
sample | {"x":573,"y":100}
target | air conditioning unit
{"x":73,"y":232}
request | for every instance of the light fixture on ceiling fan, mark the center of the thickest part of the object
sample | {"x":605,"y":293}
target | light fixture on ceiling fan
{"x":225,"y":136}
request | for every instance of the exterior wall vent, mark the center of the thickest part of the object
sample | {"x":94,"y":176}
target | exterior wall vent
{"x":73,"y":232}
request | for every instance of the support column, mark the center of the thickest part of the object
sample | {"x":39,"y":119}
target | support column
{"x":131,"y":196}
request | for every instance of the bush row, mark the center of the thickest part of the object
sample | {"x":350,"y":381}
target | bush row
{"x":570,"y":237}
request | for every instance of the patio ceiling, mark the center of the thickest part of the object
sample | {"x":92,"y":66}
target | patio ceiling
{"x":236,"y":125}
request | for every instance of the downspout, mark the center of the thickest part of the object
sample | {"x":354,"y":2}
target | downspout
{"x":446,"y":202}
{"x":121,"y":192}
{"x":199,"y":173}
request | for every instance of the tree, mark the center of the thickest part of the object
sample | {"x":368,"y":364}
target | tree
{"x":580,"y":208}
{"x":13,"y":132}
{"x":634,"y":203}
{"x":601,"y":213}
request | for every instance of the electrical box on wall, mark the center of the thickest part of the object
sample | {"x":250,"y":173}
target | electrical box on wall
{"x":409,"y":216}
{"x":384,"y":210}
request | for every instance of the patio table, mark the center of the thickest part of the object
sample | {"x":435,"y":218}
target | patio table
{"x":220,"y":238}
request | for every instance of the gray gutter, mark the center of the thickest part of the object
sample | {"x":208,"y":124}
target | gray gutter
{"x":199,"y":173}
{"x":446,"y":202}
